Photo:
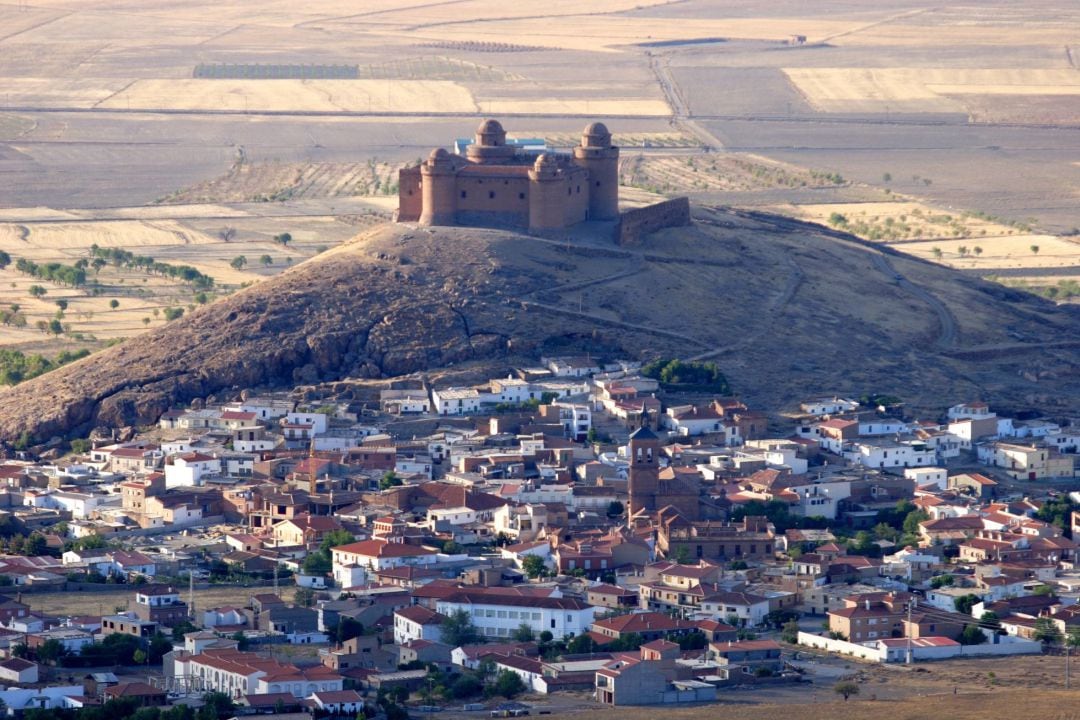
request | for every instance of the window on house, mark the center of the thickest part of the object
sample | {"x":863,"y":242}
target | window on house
{"x":491,"y":195}
{"x":521,"y":196}
{"x":464,"y":194}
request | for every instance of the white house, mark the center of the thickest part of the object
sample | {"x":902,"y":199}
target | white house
{"x":417,"y":623}
{"x":216,"y":617}
{"x":750,"y":609}
{"x":499,"y":616}
{"x":405,"y":402}
{"x":18,"y":671}
{"x":317,"y":421}
{"x":923,"y":476}
{"x":456,"y":401}
{"x":190,"y":469}
{"x":882,"y":426}
{"x":890,"y":453}
{"x":340,"y":703}
{"x":829,"y":406}
{"x":45,"y":698}
{"x":352,"y":562}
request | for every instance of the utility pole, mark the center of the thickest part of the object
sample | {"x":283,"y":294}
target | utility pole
{"x":911,"y":601}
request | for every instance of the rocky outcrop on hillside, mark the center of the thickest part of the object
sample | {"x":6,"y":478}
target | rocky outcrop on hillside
{"x":786,"y":312}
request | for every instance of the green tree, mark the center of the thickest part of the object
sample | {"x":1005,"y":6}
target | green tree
{"x":972,"y":635}
{"x":508,"y":684}
{"x":1034,"y":249}
{"x":50,"y":651}
{"x":62,"y":304}
{"x":790,"y":632}
{"x":964,"y":603}
{"x":990,"y":620}
{"x":847,"y":688}
{"x":911,"y":522}
{"x":936,"y":252}
{"x":458,"y":629}
{"x":242,"y":642}
{"x":266,"y":260}
{"x":304,"y":597}
{"x":336,"y":538}
{"x":139,"y":657}
{"x":181,"y":629}
{"x":216,"y":706}
{"x":114,"y":303}
{"x":467,"y":685}
{"x":173,"y":313}
{"x":581,"y":645}
{"x":534,"y":566}
{"x":317,"y":563}
{"x":681,"y":554}
{"x":615,"y":509}
{"x":159,"y":646}
{"x":389,"y":480}
{"x":524,"y":633}
{"x":238,"y":262}
{"x":283,"y":238}
{"x":1047,"y":632}
{"x":37,"y":291}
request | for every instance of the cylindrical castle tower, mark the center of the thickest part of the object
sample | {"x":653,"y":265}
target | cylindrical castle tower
{"x":597,"y":155}
{"x":546,"y":187}
{"x":438,"y":183}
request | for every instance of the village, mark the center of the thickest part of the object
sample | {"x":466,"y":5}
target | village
{"x":568,"y":530}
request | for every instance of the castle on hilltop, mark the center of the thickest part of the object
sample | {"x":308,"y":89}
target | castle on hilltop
{"x":495,"y":184}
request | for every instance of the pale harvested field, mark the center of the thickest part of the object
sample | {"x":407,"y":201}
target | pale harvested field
{"x":577,"y":106}
{"x":903,"y":220}
{"x":1000,"y":253}
{"x":923,"y":89}
{"x":297,"y":95}
{"x":608,"y":33}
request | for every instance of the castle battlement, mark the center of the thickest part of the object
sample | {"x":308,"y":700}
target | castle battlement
{"x":495,"y":184}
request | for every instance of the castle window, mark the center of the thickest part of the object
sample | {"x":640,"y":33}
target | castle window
{"x":521,"y":196}
{"x":569,"y":191}
{"x":597,"y":183}
{"x":464,"y":194}
{"x":491,"y":195}
{"x":578,"y":189}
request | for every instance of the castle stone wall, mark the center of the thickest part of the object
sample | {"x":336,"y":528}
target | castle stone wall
{"x":635,"y":225}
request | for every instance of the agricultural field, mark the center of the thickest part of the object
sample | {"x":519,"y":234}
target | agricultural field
{"x":702,"y":173}
{"x":924,"y":89}
{"x":279,"y":182}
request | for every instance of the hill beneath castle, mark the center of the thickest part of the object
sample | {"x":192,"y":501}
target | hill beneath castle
{"x":788,"y":310}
